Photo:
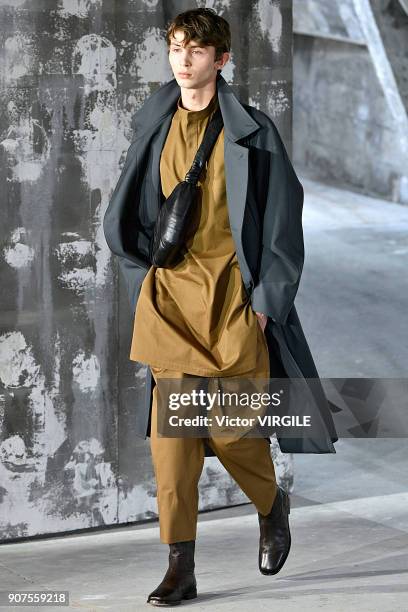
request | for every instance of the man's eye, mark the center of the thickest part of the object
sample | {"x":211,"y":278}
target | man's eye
{"x":195,"y":51}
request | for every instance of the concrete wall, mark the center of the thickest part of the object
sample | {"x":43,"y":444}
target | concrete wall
{"x":73,"y":74}
{"x":350,"y":121}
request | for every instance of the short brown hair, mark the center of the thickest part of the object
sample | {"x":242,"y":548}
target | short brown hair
{"x":204,"y":26}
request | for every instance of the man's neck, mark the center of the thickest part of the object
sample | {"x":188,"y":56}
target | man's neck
{"x":197,"y":99}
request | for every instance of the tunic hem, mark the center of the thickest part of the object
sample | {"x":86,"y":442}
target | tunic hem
{"x":186,"y":367}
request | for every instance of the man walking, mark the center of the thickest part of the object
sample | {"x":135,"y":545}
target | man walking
{"x":206,"y":316}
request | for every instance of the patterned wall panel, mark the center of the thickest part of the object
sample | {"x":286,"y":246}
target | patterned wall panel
{"x":73,"y":72}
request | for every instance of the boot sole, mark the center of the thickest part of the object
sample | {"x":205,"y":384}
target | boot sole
{"x":166,"y":604}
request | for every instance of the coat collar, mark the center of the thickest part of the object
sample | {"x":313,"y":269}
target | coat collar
{"x":238,"y":123}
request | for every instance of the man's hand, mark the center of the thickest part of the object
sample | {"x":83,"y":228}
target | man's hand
{"x":263,"y":319}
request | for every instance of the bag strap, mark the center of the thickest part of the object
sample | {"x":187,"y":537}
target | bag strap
{"x":214,"y":127}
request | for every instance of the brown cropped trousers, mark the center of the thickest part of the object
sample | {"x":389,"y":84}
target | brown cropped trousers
{"x":178,"y":463}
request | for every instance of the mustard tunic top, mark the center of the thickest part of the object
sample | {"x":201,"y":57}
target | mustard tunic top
{"x":196,"y":317}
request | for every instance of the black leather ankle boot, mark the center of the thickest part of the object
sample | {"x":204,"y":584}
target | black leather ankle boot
{"x":179,"y":581}
{"x":274,"y":540}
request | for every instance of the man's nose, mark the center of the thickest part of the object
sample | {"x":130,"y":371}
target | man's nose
{"x":184,"y":59}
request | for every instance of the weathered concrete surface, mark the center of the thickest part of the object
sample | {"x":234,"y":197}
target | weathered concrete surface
{"x":336,"y":20}
{"x":350,"y":101}
{"x":392,"y":21}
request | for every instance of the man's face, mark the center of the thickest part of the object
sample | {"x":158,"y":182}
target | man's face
{"x":193,"y":66}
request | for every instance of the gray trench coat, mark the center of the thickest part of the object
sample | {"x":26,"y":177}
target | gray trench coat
{"x":265,"y":202}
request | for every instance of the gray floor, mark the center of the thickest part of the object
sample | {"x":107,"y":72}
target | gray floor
{"x":346,"y":554}
{"x":349,"y":520}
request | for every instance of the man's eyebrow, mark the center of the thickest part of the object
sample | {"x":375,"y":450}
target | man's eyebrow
{"x":179,"y":45}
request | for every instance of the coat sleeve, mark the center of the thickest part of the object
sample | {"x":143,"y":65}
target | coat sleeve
{"x":124,"y":233}
{"x":282,"y":251}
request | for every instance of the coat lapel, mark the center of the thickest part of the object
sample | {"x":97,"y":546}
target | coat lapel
{"x":156,"y":153}
{"x":236,"y":178}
